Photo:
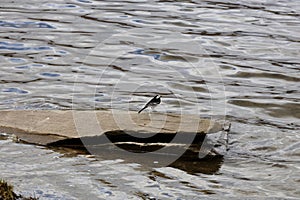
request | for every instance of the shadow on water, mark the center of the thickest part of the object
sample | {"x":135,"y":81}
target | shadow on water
{"x":145,"y":151}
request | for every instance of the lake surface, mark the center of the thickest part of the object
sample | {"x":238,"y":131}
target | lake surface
{"x":233,"y":60}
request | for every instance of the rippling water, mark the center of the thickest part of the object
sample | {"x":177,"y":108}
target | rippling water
{"x":233,"y":59}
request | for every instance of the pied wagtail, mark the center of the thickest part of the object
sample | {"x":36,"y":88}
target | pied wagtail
{"x":152,"y":103}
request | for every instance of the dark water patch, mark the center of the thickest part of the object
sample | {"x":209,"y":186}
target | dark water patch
{"x":139,"y":21}
{"x":153,"y":54}
{"x":11,"y":44}
{"x":22,"y":47}
{"x":179,"y":23}
{"x":119,"y":68}
{"x":266,"y":75}
{"x":164,"y":56}
{"x":29,"y":66}
{"x":70,"y":6}
{"x":50,"y":74}
{"x":37,"y":65}
{"x":188,"y":87}
{"x":84,"y":1}
{"x":106,"y":182}
{"x":16,"y":60}
{"x":285,"y":62}
{"x":273,"y":109}
{"x":23,"y":67}
{"x":42,"y":48}
{"x":264,"y":122}
{"x":62,"y":52}
{"x":177,"y":58}
{"x":234,"y":34}
{"x":46,"y":20}
{"x":118,"y":23}
{"x":286,"y":110}
{"x":282,"y":13}
{"x":231,"y":5}
{"x":15,"y":90}
{"x":20,"y":81}
{"x":24,"y":25}
{"x":278,"y":9}
{"x":15,"y":48}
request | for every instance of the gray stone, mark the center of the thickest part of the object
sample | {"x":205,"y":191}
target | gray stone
{"x":48,"y":126}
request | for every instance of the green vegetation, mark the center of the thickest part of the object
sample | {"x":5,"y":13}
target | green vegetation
{"x":7,"y":193}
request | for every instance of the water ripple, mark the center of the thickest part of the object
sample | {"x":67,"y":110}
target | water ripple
{"x":117,"y":54}
{"x":15,"y":90}
{"x":26,"y":25}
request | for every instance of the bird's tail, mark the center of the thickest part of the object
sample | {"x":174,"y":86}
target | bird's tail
{"x":142,"y":109}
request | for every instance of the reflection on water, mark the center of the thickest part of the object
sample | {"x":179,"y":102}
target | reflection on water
{"x":64,"y":174}
{"x":212,"y":58}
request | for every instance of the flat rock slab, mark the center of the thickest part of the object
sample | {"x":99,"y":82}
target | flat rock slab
{"x":47,"y":126}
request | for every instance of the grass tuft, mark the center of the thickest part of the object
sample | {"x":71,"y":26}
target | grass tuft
{"x":7,"y":192}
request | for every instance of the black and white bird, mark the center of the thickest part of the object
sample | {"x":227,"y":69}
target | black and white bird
{"x":152,"y":103}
